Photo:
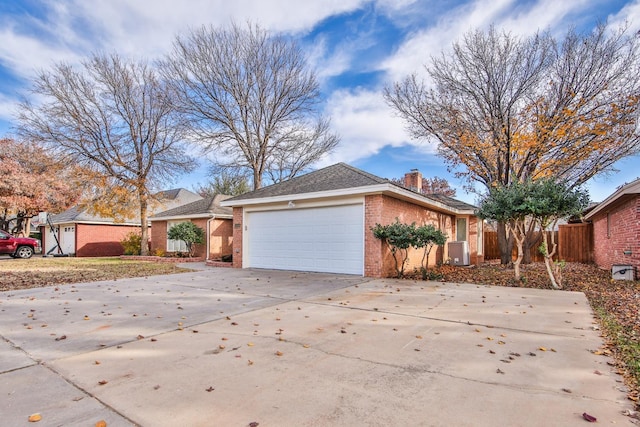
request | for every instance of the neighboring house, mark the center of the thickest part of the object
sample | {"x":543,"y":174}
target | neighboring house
{"x":83,"y":234}
{"x":207,"y":214}
{"x":322,"y":222}
{"x":616,"y":227}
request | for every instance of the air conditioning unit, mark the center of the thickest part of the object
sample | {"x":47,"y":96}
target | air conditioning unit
{"x":623,"y":272}
{"x":459,"y":253}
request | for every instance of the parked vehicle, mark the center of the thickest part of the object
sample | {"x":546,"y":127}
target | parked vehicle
{"x":18,"y":247}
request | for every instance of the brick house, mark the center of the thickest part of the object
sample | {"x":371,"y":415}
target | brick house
{"x":83,"y":234}
{"x":616,"y":227}
{"x":322,"y":222}
{"x":206,"y":214}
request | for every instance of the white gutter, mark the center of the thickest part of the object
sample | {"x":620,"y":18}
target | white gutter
{"x":365,"y":190}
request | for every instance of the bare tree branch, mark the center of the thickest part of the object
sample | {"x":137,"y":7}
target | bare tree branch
{"x":250,"y":96}
{"x":114,"y":118}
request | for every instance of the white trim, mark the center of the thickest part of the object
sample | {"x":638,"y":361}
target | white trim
{"x":195,"y":216}
{"x":628,"y":189}
{"x":388,"y":189}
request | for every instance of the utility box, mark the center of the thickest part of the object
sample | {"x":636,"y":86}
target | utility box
{"x":459,"y":252}
{"x":623,"y":272}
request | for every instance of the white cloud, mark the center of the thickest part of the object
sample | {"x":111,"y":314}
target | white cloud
{"x":630,"y":14}
{"x":365,"y":123}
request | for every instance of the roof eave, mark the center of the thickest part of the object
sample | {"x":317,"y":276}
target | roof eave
{"x":629,"y":189}
{"x":386,"y":188}
{"x":194,"y":216}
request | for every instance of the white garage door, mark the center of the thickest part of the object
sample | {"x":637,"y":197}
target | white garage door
{"x":327,"y":239}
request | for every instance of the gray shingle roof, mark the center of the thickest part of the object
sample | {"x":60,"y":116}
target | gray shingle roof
{"x":336,"y":177}
{"x":208,"y":205}
{"x":450,"y":201}
{"x":164,"y":200}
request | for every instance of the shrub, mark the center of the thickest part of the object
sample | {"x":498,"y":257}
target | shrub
{"x":189,"y":233}
{"x":132,"y":243}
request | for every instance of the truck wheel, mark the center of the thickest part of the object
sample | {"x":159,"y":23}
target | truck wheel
{"x":24,"y":252}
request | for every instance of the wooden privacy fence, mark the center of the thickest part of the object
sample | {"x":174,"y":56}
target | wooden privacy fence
{"x":575,"y":244}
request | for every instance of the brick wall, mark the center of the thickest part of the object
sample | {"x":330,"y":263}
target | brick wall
{"x":220,"y":238}
{"x":384,"y":210}
{"x":617,"y":231}
{"x":94,"y":240}
{"x":238,"y":226}
{"x":158,"y":236}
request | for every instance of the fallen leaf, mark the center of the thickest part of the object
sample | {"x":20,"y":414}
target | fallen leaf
{"x":305,"y":345}
{"x":210,"y":389}
{"x":589,"y":418}
{"x":34,"y":418}
{"x":253,"y":424}
{"x":279,"y":353}
{"x":249,"y":362}
{"x":60,"y":338}
{"x":97,"y":362}
{"x":542,"y":349}
{"x":499,"y":371}
{"x":250,"y":344}
{"x":102,"y":382}
{"x":140,"y":337}
{"x":86,"y":317}
{"x":101,"y":423}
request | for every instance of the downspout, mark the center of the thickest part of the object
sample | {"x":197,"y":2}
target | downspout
{"x":207,"y":243}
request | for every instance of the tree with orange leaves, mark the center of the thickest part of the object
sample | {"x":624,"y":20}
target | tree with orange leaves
{"x":33,"y":182}
{"x":509,"y":109}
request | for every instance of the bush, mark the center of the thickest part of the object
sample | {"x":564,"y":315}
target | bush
{"x":132,"y":243}
{"x":189,"y":233}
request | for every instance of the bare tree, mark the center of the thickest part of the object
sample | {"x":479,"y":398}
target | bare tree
{"x":224,"y":181}
{"x":511,"y":109}
{"x":114,"y":118}
{"x":251,"y":96}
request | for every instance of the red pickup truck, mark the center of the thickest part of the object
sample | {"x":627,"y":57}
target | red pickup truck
{"x":18,"y":247}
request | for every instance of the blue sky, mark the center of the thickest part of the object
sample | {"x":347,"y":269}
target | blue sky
{"x":355,"y":46}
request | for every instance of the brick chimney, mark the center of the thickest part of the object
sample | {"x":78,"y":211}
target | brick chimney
{"x":413,"y":180}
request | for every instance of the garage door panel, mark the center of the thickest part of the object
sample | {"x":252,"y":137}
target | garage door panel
{"x":327,"y":239}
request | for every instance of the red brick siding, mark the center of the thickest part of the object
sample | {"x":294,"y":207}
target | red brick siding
{"x":158,"y":236}
{"x":100,"y":239}
{"x":220,"y":238}
{"x":238,"y":226}
{"x":378,"y":261}
{"x":200,"y":249}
{"x":623,"y":234}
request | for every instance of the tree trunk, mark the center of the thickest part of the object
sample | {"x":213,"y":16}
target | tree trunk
{"x":505,"y":244}
{"x":144,"y":228}
{"x":532,"y":240}
{"x":554,"y":271}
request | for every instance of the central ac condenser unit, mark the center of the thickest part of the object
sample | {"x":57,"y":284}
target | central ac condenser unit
{"x":459,"y":252}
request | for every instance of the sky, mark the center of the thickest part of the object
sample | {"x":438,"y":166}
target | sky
{"x":356,"y":48}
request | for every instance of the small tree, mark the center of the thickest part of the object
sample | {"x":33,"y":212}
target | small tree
{"x":399,"y":237}
{"x":189,"y":233}
{"x":426,"y":237}
{"x":551,"y":201}
{"x":509,"y":205}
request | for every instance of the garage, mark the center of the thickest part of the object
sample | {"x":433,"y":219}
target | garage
{"x":307,"y":239}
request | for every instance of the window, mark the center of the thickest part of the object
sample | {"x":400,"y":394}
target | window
{"x":175,"y":245}
{"x":461,"y":229}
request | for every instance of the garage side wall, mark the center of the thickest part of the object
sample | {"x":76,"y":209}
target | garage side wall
{"x":617,"y":231}
{"x":93,"y":240}
{"x":380,"y":209}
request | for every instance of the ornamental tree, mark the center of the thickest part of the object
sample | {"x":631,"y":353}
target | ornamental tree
{"x":189,"y":233}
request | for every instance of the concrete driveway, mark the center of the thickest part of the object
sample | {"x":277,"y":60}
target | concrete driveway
{"x":227,"y":347}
